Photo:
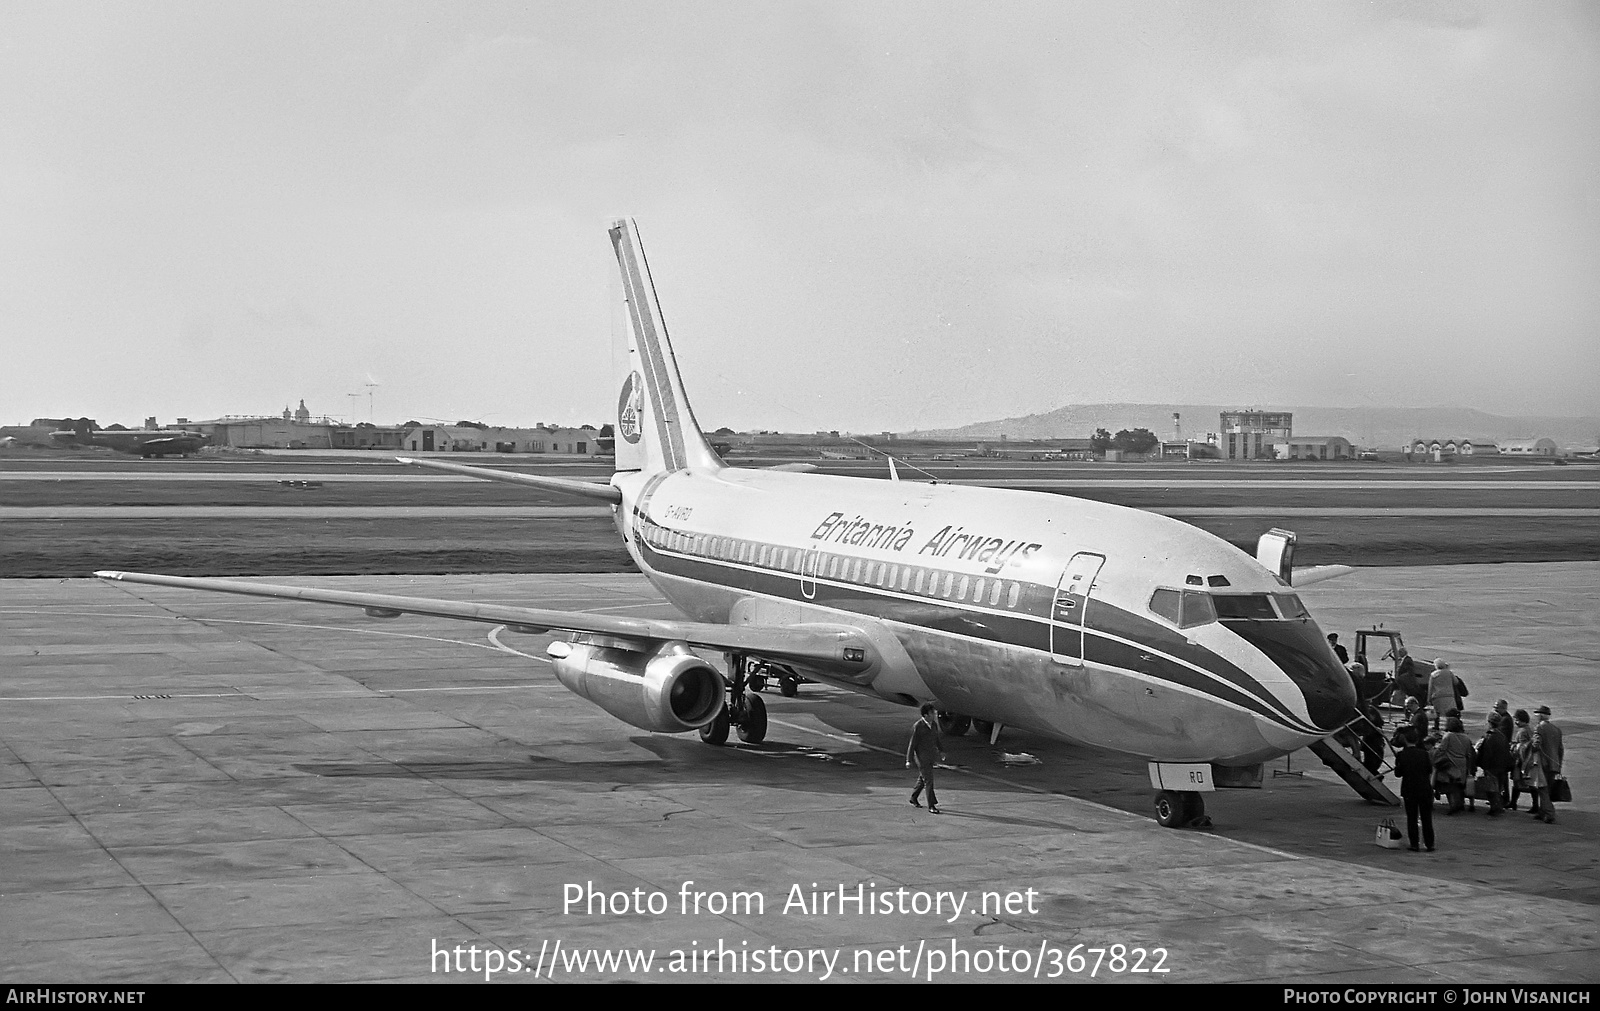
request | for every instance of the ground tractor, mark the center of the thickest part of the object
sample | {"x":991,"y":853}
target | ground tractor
{"x":1379,"y":650}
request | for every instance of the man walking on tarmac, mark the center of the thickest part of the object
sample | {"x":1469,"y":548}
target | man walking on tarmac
{"x":925,"y":749}
{"x":1415,"y":770}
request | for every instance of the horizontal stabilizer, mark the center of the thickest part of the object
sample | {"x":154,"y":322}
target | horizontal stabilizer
{"x":559,"y":485}
{"x":841,"y":650}
{"x":1317,"y":573}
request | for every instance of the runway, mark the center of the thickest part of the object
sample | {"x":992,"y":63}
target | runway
{"x":178,"y":512}
{"x":1187,"y":480}
{"x":204,"y":788}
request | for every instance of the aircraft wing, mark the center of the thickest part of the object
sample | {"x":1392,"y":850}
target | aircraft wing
{"x":561,"y":485}
{"x":842,"y":650}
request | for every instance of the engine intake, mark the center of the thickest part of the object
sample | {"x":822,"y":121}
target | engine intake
{"x":668,"y":689}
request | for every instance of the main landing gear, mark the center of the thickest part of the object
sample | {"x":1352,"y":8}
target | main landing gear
{"x":745,"y":711}
{"x":1181,"y":809}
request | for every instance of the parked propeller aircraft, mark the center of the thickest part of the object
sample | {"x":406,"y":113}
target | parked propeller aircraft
{"x":139,"y":443}
{"x":1075,"y":619}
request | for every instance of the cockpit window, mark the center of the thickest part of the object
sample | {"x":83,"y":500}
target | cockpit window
{"x":1167,"y":604}
{"x":1244,"y":605}
{"x":1289,"y":605}
{"x":1197,"y":610}
{"x":1188,"y":608}
{"x":1184,"y":608}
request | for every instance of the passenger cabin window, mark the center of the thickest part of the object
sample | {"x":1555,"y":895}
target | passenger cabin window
{"x":1014,"y":595}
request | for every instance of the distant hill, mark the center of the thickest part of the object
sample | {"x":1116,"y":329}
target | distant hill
{"x":1380,"y":427}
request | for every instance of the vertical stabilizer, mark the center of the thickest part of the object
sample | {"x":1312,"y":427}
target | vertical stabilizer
{"x":655,"y":427}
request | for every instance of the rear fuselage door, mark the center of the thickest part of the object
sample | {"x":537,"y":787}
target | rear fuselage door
{"x":1069,"y":615}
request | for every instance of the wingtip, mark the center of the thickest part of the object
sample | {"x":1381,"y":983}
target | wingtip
{"x":107,"y":574}
{"x":404,"y":459}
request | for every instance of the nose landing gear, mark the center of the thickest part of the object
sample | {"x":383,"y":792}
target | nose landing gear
{"x":1181,"y":809}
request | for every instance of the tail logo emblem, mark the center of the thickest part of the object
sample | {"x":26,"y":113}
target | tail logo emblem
{"x":629,"y":408}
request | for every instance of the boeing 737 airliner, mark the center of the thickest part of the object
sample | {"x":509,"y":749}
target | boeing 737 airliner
{"x":1075,"y":619}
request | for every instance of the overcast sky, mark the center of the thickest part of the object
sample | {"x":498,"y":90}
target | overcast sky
{"x":858,"y":216}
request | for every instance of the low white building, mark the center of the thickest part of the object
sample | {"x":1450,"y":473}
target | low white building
{"x":1314,"y":447}
{"x":471,"y":439}
{"x":1528,"y":447}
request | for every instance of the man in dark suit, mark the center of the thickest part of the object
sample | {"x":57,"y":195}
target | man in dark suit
{"x":1415,"y":770}
{"x":1547,"y":739}
{"x":1338,"y":650}
{"x":1494,"y":761}
{"x":926,"y":749}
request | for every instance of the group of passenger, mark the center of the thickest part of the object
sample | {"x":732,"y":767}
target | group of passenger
{"x":1434,"y":756}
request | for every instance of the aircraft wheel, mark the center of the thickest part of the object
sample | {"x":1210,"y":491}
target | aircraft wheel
{"x":1170,"y":809}
{"x":983,"y":728}
{"x":757,"y":683}
{"x":753,"y":728}
{"x":789,"y":687}
{"x":716,"y":732}
{"x":954,"y":724}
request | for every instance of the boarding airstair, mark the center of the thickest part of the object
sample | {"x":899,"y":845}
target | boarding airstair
{"x":1339,"y":758}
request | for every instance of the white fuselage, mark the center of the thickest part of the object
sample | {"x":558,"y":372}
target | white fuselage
{"x":1033,"y":610}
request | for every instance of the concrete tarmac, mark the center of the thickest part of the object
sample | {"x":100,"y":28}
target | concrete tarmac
{"x":207,"y":788}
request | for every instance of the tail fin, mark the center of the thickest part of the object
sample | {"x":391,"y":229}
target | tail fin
{"x":655,"y":427}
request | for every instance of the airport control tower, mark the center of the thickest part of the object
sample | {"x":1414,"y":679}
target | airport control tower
{"x":1249,"y":434}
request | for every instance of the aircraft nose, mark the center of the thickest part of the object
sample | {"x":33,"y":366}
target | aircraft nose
{"x":1301,"y":651}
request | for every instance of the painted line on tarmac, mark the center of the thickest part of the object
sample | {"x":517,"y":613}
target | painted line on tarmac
{"x":1030,"y":789}
{"x":158,"y":696}
{"x":241,"y":621}
{"x":297,"y":512}
{"x":1291,"y":484}
{"x":494,"y":637}
{"x":1362,"y":484}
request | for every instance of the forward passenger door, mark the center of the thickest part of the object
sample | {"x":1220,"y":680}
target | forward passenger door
{"x":1069,"y":614}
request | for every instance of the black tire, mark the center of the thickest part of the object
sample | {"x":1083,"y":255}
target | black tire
{"x":757,"y":682}
{"x":1170,"y":809}
{"x":983,"y":728}
{"x":1194,"y":807}
{"x":716,"y":732}
{"x":954,"y":724}
{"x":789,"y":687}
{"x":753,"y":728}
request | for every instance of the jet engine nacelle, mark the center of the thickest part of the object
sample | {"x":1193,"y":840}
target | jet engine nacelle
{"x":668,"y":689}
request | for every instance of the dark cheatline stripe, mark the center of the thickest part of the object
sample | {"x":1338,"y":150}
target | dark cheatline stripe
{"x":668,"y":432}
{"x":1031,"y":632}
